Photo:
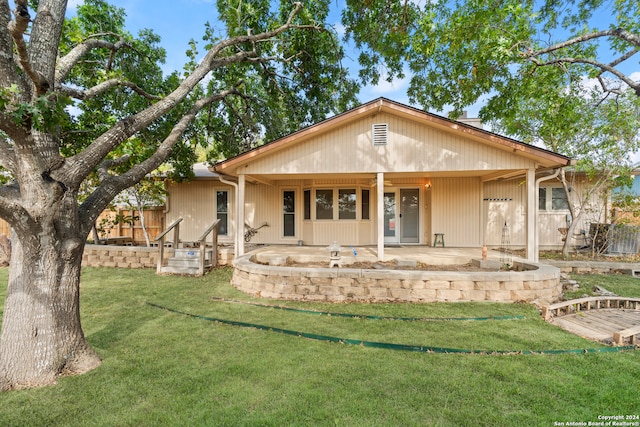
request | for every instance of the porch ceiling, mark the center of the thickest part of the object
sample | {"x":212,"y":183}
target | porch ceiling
{"x":484,"y":175}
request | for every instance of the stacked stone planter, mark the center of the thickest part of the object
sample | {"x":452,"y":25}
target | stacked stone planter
{"x":536,"y":283}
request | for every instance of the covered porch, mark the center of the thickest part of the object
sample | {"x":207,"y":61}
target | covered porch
{"x":386,"y":173}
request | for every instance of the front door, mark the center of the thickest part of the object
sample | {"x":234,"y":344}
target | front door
{"x":409,"y":215}
{"x":401,"y":216}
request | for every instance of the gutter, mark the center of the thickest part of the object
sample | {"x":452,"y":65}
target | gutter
{"x":536,"y":254}
{"x":237,"y":240}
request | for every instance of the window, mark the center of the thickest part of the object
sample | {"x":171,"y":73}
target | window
{"x":324,"y":204}
{"x":559,"y":199}
{"x":222,"y":212}
{"x":307,"y":204}
{"x":364,"y":204}
{"x":347,"y":204}
{"x":542,"y":199}
{"x":289,"y":213}
{"x":552,"y":198}
{"x":380,"y":133}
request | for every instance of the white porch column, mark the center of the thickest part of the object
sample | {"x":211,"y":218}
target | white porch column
{"x":240,"y":216}
{"x":532,"y":226}
{"x":380,"y":210}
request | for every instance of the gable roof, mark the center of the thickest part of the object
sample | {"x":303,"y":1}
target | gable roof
{"x":544,"y":158}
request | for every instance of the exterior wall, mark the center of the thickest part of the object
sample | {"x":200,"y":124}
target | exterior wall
{"x":412,"y":147}
{"x":505,"y":201}
{"x":264,"y":204}
{"x":455,"y":209}
{"x":467,"y":211}
{"x":195,"y":202}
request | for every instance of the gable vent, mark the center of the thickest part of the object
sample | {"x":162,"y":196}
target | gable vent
{"x":380,"y":132}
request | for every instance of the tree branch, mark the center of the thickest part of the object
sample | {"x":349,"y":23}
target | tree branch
{"x":617,"y":33}
{"x":603,"y":67}
{"x":103,"y":168}
{"x":103,"y":87}
{"x":7,"y":154}
{"x":79,"y":166}
{"x":12,"y":211}
{"x":67,"y":62}
{"x":8,"y":68}
{"x":112,"y":185}
{"x":17,"y":28}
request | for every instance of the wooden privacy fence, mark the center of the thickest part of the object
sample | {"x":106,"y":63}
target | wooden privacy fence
{"x":154,"y":218}
{"x":4,"y":228}
{"x":132,"y":232}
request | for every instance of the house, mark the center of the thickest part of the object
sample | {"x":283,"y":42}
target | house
{"x":378,"y":175}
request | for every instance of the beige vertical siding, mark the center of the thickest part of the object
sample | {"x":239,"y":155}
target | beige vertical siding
{"x":467,"y":211}
{"x":456,"y":209}
{"x":504,"y":202}
{"x":195,"y":202}
{"x":412,"y":147}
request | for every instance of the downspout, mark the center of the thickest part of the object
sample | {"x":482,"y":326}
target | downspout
{"x":167,"y":203}
{"x":238,"y":235}
{"x":536,"y":255}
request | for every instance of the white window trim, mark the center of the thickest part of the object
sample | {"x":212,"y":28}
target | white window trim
{"x":549,"y":201}
{"x":295,"y":213}
{"x":224,"y":190}
{"x":336,"y":203}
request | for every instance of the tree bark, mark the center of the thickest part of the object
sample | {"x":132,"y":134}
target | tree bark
{"x":41,"y":333}
{"x":566,"y":247}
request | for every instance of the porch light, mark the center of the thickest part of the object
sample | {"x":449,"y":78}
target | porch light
{"x":334,"y":258}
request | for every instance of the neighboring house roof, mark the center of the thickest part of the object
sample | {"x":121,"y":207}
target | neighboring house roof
{"x":542,"y":158}
{"x":201,"y":171}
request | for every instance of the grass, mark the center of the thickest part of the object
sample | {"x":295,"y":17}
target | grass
{"x":166,"y":369}
{"x":619,"y":284}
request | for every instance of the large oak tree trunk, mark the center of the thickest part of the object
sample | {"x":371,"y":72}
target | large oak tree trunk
{"x":41,"y":333}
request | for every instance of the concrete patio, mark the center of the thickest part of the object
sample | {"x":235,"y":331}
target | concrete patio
{"x":424,"y":254}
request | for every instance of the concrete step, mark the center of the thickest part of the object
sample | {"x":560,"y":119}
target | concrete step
{"x":192,"y":253}
{"x":186,"y":262}
{"x":186,"y":271}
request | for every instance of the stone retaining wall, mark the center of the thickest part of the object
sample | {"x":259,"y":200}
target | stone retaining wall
{"x":595,"y":267}
{"x":540,"y":285}
{"x":135,"y":256}
{"x":120,"y":256}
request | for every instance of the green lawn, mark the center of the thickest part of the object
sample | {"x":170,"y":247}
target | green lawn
{"x":162,"y":368}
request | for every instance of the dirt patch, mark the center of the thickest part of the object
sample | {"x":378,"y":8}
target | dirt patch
{"x":393,"y":265}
